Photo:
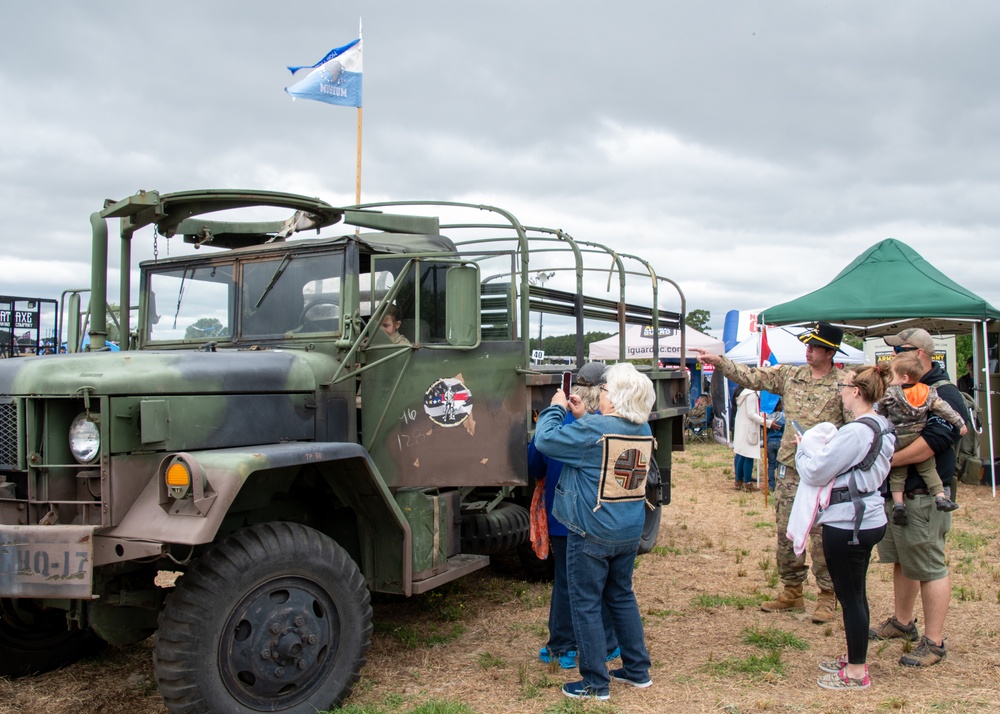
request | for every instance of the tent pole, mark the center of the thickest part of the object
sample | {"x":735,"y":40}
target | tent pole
{"x":989,"y":407}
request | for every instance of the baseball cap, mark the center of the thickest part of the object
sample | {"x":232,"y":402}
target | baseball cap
{"x":591,"y":374}
{"x":913,"y":336}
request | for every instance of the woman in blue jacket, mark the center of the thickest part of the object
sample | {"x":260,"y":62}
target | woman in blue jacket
{"x":600,"y":499}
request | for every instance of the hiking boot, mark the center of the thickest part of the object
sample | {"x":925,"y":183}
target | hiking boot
{"x":834,"y":665}
{"x":826,"y":605}
{"x":925,"y":654}
{"x":899,"y":515}
{"x":739,"y":485}
{"x":789,"y":600}
{"x":619,"y":676}
{"x":892,"y":628}
{"x":578,"y":690}
{"x":840,"y":680}
{"x":945,"y":504}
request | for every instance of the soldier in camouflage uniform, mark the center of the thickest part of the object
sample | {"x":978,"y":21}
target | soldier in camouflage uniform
{"x":811,"y":395}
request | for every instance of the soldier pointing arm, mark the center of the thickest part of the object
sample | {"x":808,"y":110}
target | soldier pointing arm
{"x":810,"y":394}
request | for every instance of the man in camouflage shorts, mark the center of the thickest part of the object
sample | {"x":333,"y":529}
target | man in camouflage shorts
{"x":811,"y":395}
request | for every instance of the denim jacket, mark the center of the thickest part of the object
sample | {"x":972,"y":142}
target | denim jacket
{"x":581,"y":502}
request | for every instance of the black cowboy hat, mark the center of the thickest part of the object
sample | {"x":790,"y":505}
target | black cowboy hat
{"x":824,"y":335}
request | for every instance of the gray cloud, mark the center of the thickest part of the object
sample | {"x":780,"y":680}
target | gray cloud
{"x":749,"y":150}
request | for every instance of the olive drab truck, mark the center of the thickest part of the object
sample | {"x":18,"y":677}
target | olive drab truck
{"x":263,"y":439}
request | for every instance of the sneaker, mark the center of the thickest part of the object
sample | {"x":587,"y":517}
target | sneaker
{"x":566,"y":661}
{"x":925,"y":654}
{"x":840,"y":680}
{"x":834,"y":665}
{"x":899,"y":515}
{"x":578,"y":690}
{"x":619,"y":676}
{"x":945,"y":504}
{"x":614,"y":654}
{"x":892,"y":628}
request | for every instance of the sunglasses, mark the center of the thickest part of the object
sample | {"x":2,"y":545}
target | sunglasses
{"x":902,"y":348}
{"x":841,"y":385}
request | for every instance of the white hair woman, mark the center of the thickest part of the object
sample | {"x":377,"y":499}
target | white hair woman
{"x":561,"y":645}
{"x":600,"y":498}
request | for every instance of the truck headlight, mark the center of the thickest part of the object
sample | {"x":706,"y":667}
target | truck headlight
{"x":84,"y":439}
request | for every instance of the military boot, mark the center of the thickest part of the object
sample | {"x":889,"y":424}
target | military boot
{"x":826,"y":603}
{"x":789,"y":600}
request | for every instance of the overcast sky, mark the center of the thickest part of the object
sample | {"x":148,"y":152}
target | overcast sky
{"x":749,"y":149}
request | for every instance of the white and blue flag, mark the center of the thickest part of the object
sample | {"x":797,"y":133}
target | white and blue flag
{"x":335,"y":79}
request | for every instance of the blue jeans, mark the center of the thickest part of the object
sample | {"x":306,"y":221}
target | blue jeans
{"x":562,"y":638}
{"x":772,"y":461}
{"x":599,"y":572}
{"x":743,"y":467}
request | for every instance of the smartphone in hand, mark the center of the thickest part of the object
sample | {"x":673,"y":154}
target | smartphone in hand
{"x":795,"y":425}
{"x":567,"y":382}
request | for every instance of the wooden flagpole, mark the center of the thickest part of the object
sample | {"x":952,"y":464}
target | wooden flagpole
{"x":357,"y":170}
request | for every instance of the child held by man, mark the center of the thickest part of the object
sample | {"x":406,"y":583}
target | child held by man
{"x":908,"y":403}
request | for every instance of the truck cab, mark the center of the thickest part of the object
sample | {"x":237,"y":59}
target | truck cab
{"x":291,"y":424}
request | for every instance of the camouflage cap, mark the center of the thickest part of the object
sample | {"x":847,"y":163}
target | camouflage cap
{"x":591,"y":374}
{"x":913,"y":336}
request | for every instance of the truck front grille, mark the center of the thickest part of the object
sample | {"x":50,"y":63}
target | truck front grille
{"x":8,"y":434}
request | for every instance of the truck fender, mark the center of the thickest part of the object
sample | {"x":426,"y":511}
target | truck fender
{"x":355,"y":479}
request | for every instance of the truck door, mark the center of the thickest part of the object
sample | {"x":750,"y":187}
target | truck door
{"x":440,"y":407}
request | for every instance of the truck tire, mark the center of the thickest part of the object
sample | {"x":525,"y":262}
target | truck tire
{"x":650,"y":530}
{"x":35,"y":639}
{"x":275,"y":617}
{"x":504,"y":528}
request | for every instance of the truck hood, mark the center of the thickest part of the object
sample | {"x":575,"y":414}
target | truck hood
{"x":165,"y":372}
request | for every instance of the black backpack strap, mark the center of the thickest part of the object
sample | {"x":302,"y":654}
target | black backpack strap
{"x":866,"y":463}
{"x":873,"y":451}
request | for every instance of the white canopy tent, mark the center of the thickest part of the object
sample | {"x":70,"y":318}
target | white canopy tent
{"x":639,"y":344}
{"x":786,"y":348}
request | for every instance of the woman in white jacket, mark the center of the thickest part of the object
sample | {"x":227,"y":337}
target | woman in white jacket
{"x":852,"y":522}
{"x":746,"y":438}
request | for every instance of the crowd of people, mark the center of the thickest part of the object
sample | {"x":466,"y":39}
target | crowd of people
{"x":861,"y":459}
{"x":855,"y":428}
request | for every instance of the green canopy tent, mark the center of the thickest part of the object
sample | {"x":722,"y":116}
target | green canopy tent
{"x":886,"y":289}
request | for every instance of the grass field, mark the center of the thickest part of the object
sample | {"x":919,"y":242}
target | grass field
{"x":472,"y":646}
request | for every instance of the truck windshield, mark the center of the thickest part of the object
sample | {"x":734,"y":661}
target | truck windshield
{"x":290,"y":295}
{"x":276,"y":296}
{"x":194,"y":302}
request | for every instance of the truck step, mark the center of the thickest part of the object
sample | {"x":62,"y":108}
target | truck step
{"x":458,"y":565}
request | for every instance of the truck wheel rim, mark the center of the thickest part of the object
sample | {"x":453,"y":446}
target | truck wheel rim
{"x":279,"y":642}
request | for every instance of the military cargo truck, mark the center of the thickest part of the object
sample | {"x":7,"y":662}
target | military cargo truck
{"x":263,"y":436}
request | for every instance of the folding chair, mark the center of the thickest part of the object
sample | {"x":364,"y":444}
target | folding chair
{"x":701,"y":429}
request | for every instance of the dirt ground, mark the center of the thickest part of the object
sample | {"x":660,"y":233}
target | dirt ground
{"x":476,"y":641}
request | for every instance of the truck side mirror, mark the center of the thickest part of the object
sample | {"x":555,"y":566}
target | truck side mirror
{"x":462,"y":308}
